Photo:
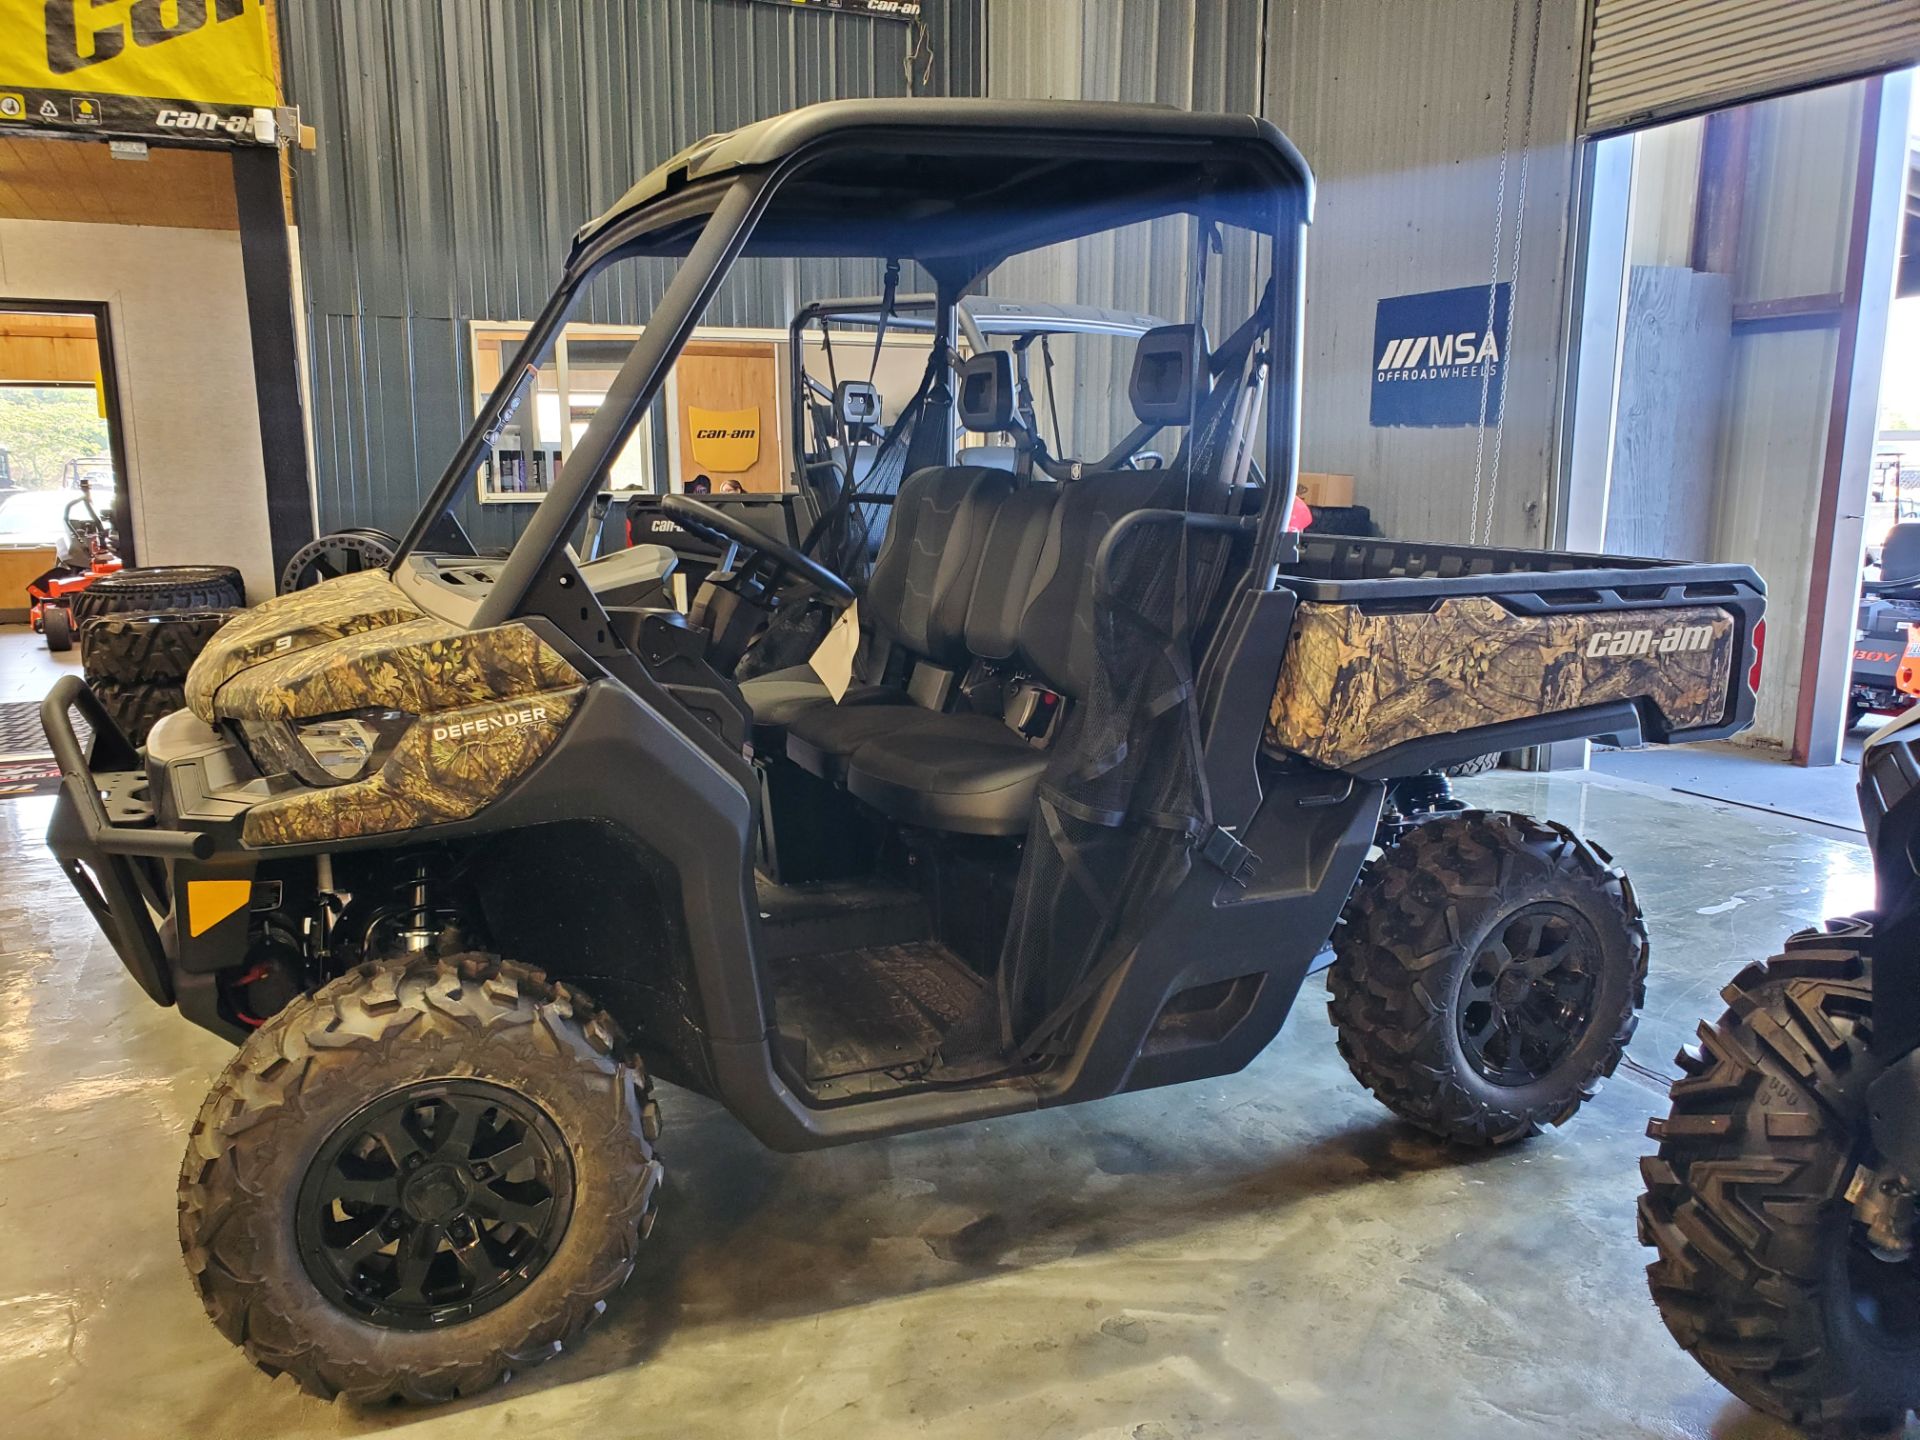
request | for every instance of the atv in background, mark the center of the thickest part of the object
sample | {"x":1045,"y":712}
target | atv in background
{"x":1781,"y":1199}
{"x":1889,"y":607}
{"x":460,"y":853}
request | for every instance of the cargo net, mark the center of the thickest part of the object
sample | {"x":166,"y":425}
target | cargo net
{"x":1123,"y":804}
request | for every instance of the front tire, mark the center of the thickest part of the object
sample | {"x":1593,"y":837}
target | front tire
{"x":1764,"y":1275}
{"x":422,"y":1178}
{"x":1489,"y":971}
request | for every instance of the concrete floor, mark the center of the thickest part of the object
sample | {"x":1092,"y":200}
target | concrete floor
{"x":1269,"y":1254}
{"x":1748,"y":776}
{"x":27,"y":668}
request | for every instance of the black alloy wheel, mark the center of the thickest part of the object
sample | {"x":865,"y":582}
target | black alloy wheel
{"x":1526,"y":998}
{"x":434,"y":1204}
{"x":1489,"y":973}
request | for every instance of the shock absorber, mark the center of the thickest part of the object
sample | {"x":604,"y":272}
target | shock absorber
{"x":418,"y":931}
{"x":419,"y":908}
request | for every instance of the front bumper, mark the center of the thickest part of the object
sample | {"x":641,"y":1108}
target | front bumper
{"x":106,"y":836}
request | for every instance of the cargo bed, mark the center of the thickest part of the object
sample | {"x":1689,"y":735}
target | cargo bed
{"x":1406,"y":655}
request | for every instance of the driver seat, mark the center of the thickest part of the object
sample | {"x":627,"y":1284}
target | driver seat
{"x":916,"y":600}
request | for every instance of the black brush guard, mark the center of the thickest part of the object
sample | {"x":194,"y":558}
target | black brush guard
{"x":115,"y":867}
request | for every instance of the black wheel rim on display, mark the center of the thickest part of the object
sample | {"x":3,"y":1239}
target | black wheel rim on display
{"x":344,"y":552}
{"x":434,"y":1204}
{"x":1526,"y":998}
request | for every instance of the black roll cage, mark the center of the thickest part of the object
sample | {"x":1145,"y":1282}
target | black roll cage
{"x":709,"y":222}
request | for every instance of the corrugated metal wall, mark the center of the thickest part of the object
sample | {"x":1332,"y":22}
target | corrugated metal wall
{"x":461,"y":143}
{"x":1197,"y":54}
{"x":1405,"y":112}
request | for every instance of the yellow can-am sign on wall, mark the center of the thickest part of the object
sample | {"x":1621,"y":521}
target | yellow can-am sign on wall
{"x":192,"y":68}
{"x":724,"y":441}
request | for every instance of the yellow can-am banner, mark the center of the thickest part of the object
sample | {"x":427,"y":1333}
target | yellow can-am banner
{"x":197,"y":68}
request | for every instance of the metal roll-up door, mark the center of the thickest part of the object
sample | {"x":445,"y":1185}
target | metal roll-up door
{"x":1652,"y":60}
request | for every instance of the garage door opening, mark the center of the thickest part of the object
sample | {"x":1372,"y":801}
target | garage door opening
{"x":60,"y":444}
{"x":1739,"y":278}
{"x":1890,"y":591}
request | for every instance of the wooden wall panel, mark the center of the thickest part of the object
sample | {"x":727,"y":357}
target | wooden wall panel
{"x":42,"y":349}
{"x":79,"y":180}
{"x":1673,"y":379}
{"x":723,"y":375}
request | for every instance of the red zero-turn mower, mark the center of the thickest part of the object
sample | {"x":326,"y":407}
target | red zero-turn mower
{"x":86,"y":555}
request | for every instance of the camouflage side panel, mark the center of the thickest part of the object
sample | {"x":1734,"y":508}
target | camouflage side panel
{"x":419,"y":666}
{"x":289,"y":623}
{"x":448,"y":766}
{"x":1356,"y":683}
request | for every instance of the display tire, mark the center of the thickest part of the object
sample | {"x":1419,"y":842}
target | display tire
{"x":147,"y":649}
{"x":1479,"y":765}
{"x":1762,"y":1272}
{"x":1410,"y":953}
{"x":161,"y":587}
{"x":317,"y":1064}
{"x":136,"y":709}
{"x":57,"y":625}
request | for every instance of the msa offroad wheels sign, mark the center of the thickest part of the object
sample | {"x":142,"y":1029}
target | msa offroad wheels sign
{"x":1439,"y":358}
{"x":199,"y":69}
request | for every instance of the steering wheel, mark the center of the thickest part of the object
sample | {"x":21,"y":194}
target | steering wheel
{"x":710,"y":522}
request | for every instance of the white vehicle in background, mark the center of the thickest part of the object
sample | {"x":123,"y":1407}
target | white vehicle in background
{"x":39,"y":517}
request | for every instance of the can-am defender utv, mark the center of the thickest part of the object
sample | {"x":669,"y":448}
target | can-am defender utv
{"x":1113,"y":750}
{"x":1781,"y":1200}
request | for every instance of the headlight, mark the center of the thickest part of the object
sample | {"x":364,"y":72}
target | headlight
{"x":330,"y":750}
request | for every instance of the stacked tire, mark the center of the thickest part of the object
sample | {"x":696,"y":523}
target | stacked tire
{"x":141,"y":630}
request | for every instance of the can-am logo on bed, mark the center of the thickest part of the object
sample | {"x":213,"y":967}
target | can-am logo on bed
{"x":1434,"y":355}
{"x":1674,"y":640}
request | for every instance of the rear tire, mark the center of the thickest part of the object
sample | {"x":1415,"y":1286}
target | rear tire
{"x":277,"y":1263}
{"x":1489,"y":971}
{"x":1763,"y":1275}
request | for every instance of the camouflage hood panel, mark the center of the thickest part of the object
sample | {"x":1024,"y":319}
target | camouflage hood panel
{"x":287,"y":624}
{"x":1355,"y":682}
{"x":357,"y":643}
{"x":444,"y":768}
{"x":485,"y":704}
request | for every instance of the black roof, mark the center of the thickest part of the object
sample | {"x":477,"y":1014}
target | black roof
{"x":937,"y":176}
